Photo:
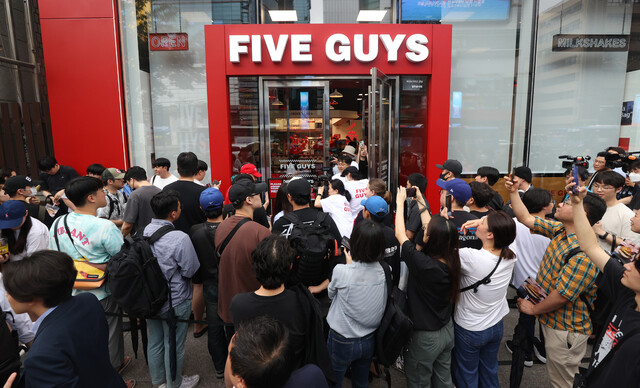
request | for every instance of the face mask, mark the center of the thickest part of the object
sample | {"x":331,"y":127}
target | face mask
{"x":633,"y":177}
{"x":33,"y":191}
{"x":443,"y":175}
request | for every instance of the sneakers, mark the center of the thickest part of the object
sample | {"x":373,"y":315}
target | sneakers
{"x":187,"y":382}
{"x":539,"y":351}
{"x":528,"y":357}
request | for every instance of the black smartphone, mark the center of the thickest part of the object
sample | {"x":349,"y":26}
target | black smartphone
{"x":411,"y":192}
{"x":346,"y":243}
{"x":447,"y":203}
{"x":576,"y":177}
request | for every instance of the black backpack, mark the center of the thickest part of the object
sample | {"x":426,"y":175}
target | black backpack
{"x":134,"y":277}
{"x":314,"y":244}
{"x":395,"y":328}
{"x":9,"y":349}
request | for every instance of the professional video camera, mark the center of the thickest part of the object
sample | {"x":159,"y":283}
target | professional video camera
{"x":580,"y":161}
{"x":621,"y":160}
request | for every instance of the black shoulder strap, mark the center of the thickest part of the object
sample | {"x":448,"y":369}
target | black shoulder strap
{"x":112,"y":206}
{"x":291,"y":216}
{"x":387,"y":276}
{"x":66,"y":228}
{"x":159,"y":233}
{"x":485,"y":280}
{"x":320,"y":218}
{"x":583,"y":296}
{"x":230,"y":235}
{"x":55,"y":233}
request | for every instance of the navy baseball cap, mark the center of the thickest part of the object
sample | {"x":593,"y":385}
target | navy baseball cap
{"x":11,"y":214}
{"x":211,"y":199}
{"x":458,"y":188}
{"x":376,"y":205}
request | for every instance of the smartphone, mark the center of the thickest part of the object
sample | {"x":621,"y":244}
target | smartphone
{"x":214,"y":182}
{"x":361,"y":143}
{"x":447,"y":203}
{"x":411,"y":192}
{"x":576,"y":180}
{"x":346,"y":243}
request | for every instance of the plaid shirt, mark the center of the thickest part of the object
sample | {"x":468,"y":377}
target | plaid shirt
{"x":570,"y":280}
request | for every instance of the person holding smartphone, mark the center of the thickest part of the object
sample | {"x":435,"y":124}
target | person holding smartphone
{"x":454,"y":196}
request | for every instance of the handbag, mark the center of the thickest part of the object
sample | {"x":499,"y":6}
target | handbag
{"x":88,"y":276}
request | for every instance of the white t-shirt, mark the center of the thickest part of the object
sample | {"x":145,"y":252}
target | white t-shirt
{"x":162,"y":182}
{"x":340,"y":177}
{"x":617,"y":220}
{"x":340,"y":211}
{"x":37,"y":239}
{"x":529,"y":248}
{"x":358,"y":191}
{"x":335,"y":168}
{"x":477,"y":311}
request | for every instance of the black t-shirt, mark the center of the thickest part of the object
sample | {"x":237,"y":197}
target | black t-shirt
{"x":56,"y":182}
{"x":413,"y":221}
{"x":469,"y":239}
{"x":388,"y":220}
{"x":479,"y":214}
{"x":203,"y":237}
{"x":259,"y":214}
{"x":190,"y":199}
{"x":392,"y":253}
{"x":284,"y":307}
{"x":427,"y":290}
{"x":496,"y":202}
{"x":623,"y":368}
{"x":307,"y":215}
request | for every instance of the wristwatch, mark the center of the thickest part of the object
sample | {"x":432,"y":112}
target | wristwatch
{"x":603,"y":236}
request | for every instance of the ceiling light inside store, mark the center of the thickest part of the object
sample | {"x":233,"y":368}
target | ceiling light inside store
{"x":371,"y":15}
{"x":335,"y":94}
{"x":284,"y":16}
{"x":277,"y":102}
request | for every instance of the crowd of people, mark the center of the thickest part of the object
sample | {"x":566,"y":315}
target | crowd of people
{"x":292,"y":293}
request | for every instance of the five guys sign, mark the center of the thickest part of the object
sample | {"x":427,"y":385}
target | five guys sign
{"x":328,"y":49}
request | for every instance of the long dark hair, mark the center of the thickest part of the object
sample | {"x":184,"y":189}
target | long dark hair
{"x":338,"y":186}
{"x":504,"y":232}
{"x":367,"y":242}
{"x":443,"y":244}
{"x":17,"y":246}
{"x":280,"y":203}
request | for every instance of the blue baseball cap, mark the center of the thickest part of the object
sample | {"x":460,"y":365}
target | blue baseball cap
{"x":11,"y":214}
{"x":211,"y":199}
{"x":376,"y":205}
{"x":458,"y":188}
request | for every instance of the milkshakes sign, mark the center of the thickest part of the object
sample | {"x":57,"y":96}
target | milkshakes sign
{"x":328,"y":49}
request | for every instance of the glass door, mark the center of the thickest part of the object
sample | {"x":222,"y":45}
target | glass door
{"x":295,"y":128}
{"x":383,"y":136}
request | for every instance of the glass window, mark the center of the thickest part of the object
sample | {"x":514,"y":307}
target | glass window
{"x":413,"y":126}
{"x":245,"y":136}
{"x":325,"y":11}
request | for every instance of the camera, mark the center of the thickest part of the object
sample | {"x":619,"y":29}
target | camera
{"x":580,"y":161}
{"x":621,"y":160}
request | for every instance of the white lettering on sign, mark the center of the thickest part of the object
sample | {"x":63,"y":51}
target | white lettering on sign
{"x":338,"y":47}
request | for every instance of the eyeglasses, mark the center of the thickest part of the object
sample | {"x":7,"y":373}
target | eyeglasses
{"x":597,"y":187}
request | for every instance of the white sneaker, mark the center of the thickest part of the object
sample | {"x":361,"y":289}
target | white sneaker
{"x":190,"y":381}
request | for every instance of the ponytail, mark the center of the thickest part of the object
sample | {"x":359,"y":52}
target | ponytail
{"x":387,"y":197}
{"x":507,"y":253}
{"x":338,"y":186}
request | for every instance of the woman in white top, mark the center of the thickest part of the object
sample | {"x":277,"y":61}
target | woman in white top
{"x":357,"y":187}
{"x":480,"y":309}
{"x":358,"y":293}
{"x":24,"y":235}
{"x":337,"y":206}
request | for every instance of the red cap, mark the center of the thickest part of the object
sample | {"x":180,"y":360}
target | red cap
{"x":250,"y":169}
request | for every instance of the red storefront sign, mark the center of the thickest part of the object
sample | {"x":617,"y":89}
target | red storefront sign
{"x":178,"y":41}
{"x":274,"y":186}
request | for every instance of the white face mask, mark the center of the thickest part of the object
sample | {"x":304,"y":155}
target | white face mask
{"x":34,"y":191}
{"x":633,"y":177}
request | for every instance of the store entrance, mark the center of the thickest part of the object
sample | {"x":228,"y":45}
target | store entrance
{"x":305,"y":122}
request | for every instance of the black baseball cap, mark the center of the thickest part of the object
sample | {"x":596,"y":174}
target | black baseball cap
{"x":245,"y":188}
{"x":299,"y":188}
{"x":451,"y":165}
{"x":18,"y":182}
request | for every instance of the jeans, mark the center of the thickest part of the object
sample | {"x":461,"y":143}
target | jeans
{"x":158,"y":346}
{"x":476,"y":356}
{"x":356,"y":352}
{"x":216,"y":341}
{"x":427,"y":362}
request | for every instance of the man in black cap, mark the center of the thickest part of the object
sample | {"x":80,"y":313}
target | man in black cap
{"x":22,"y":188}
{"x":299,"y":195}
{"x":490,"y":175}
{"x":240,"y":235}
{"x":450,"y":169}
{"x":522,"y":181}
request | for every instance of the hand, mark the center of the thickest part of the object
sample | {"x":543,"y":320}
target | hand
{"x":334,"y":160}
{"x":347,"y":256}
{"x":314,"y":289}
{"x":363,"y":151}
{"x":34,"y":200}
{"x":10,"y":380}
{"x":4,"y":258}
{"x":469,"y":225}
{"x":217,"y":185}
{"x":525,"y":307}
{"x":510,"y":184}
{"x":266,"y":201}
{"x":597,"y":228}
{"x":58,"y":196}
{"x":444,"y":213}
{"x":401,"y":196}
{"x":582,"y":191}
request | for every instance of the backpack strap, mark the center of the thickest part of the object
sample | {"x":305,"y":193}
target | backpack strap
{"x":230,"y":235}
{"x":112,"y":206}
{"x":583,"y":296}
{"x":485,"y":280}
{"x":66,"y":228}
{"x":291,"y":216}
{"x":387,"y":276}
{"x":160,"y":232}
{"x":55,"y":232}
